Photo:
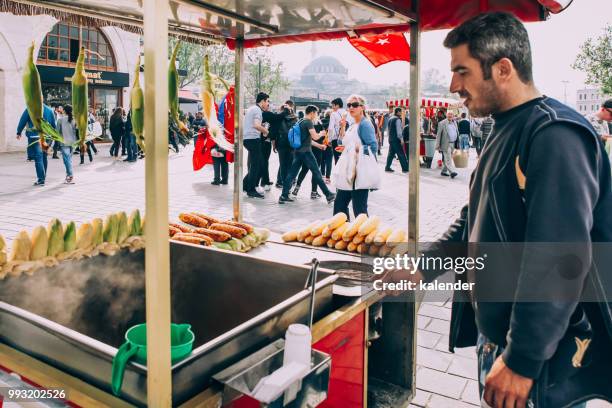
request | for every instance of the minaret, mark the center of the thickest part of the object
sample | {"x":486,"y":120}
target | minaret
{"x":313,"y":50}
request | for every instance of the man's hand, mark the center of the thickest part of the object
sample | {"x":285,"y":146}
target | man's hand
{"x":18,"y":137}
{"x":506,"y":389}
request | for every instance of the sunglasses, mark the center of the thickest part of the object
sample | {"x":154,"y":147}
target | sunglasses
{"x":353,"y":104}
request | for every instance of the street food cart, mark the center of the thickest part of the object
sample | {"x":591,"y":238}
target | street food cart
{"x":238,"y":305}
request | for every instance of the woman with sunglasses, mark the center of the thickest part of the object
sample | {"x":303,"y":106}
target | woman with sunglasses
{"x":360,"y":135}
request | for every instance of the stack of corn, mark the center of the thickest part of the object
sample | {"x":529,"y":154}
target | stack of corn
{"x":3,"y":257}
{"x":137,"y":108}
{"x":48,"y":246}
{"x":79,"y":98}
{"x":364,"y":235}
{"x":202,"y":229}
{"x":32,"y":91}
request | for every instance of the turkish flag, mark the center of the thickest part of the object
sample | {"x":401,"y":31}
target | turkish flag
{"x":382,"y":48}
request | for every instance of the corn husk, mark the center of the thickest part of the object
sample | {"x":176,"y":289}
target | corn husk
{"x":135,"y":223}
{"x":85,"y":236}
{"x":40,"y":244}
{"x":79,"y":97}
{"x":32,"y":90}
{"x":2,"y":243}
{"x":21,"y":248}
{"x":209,"y":112}
{"x":70,"y":237}
{"x":137,"y":108}
{"x":3,"y":258}
{"x":110,"y":229}
{"x":55,"y":232}
{"x":98,"y":231}
{"x":173,"y":89}
{"x":122,"y":227}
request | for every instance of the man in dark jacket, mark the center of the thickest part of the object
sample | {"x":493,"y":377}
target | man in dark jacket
{"x":396,"y":142}
{"x":542,"y":193}
{"x":280,"y":143}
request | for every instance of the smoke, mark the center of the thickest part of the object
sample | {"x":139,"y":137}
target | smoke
{"x":100,"y":297}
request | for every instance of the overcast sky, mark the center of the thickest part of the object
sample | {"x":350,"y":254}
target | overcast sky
{"x":555,"y":43}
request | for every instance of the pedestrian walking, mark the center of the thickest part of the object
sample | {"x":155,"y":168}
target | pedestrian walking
{"x":253,"y":130}
{"x":328,"y":153}
{"x":281,"y":143}
{"x":396,"y":141}
{"x":476,"y":132}
{"x":131,"y":145}
{"x":35,"y":151}
{"x":445,"y":142}
{"x":543,"y":181}
{"x":271,"y":120}
{"x":117,"y":130}
{"x":66,"y":126}
{"x":464,"y":127}
{"x":333,"y":130}
{"x":318,"y":148}
{"x":360,"y":137}
{"x":304,"y":156}
{"x":59,"y":112}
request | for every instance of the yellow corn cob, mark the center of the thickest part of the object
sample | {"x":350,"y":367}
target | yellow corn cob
{"x":137,"y":107}
{"x":208,"y":93}
{"x":173,"y":87}
{"x":79,"y":97}
{"x":32,"y":91}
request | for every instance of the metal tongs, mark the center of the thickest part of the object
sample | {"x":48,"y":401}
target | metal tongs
{"x":311,"y":281}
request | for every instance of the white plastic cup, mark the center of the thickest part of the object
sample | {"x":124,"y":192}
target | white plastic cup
{"x":297,"y":345}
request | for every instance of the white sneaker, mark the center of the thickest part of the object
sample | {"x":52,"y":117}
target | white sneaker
{"x":267,"y":187}
{"x":259,"y":190}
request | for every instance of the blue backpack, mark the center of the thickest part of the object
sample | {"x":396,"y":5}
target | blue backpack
{"x":295,"y":136}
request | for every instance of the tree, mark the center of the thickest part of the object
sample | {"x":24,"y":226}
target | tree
{"x":595,"y":59}
{"x":264,"y":74}
{"x":434,"y":82}
{"x":190,"y":59}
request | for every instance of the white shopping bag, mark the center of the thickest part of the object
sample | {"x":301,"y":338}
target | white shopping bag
{"x":343,"y":173}
{"x":437,"y":157}
{"x":368,"y":174}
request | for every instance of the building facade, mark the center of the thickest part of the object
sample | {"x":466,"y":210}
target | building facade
{"x":589,"y":100}
{"x":110,"y":63}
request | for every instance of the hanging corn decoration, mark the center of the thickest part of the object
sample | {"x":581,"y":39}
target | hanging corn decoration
{"x":32,"y":91}
{"x":79,"y":97}
{"x":137,"y":107}
{"x":208,"y":108}
{"x":173,"y":87}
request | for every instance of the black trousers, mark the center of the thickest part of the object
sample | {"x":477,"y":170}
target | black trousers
{"x":266,"y":150}
{"x":299,"y":159}
{"x":88,"y":146}
{"x":336,"y":154}
{"x":114,"y":150}
{"x":396,"y":149}
{"x":221,"y":169}
{"x":359,"y":199}
{"x":477,"y":144}
{"x":285,"y":158}
{"x":251,"y":179}
{"x":125,"y":143}
{"x":317,"y":153}
{"x":326,"y":163}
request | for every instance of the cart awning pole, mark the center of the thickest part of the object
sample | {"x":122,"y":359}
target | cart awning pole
{"x":415,"y":137}
{"x":157,"y":254}
{"x":238,"y":126}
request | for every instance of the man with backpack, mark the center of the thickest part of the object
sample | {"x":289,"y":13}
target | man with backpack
{"x":281,"y":143}
{"x":540,"y":201}
{"x":302,"y":137}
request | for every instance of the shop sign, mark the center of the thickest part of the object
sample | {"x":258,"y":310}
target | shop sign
{"x":62,"y":75}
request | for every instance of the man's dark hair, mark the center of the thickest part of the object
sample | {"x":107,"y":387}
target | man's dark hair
{"x":289,"y":102}
{"x":262,"y":96}
{"x":493,"y":36}
{"x":311,"y":108}
{"x":397,"y":111}
{"x":337,"y":101}
{"x":463,"y":115}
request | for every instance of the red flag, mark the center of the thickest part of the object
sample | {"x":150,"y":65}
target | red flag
{"x":382,"y":48}
{"x":202,"y":152}
{"x":228,"y":121}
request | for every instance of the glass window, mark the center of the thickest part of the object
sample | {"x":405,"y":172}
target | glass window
{"x":74,"y":32}
{"x":42,"y":53}
{"x":63,"y":30}
{"x":52,"y":55}
{"x":54,"y":29}
{"x":64,"y":56}
{"x":63,"y":43}
{"x":52,"y":41}
{"x":85,"y":34}
{"x":93,"y":36}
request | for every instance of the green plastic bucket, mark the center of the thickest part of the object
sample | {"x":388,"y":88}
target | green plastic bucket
{"x":135,"y":346}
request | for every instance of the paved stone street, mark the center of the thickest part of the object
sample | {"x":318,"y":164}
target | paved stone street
{"x":105,"y":186}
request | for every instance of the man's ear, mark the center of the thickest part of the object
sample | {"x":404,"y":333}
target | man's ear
{"x":503,"y":69}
